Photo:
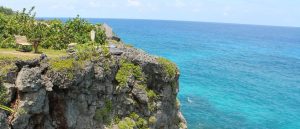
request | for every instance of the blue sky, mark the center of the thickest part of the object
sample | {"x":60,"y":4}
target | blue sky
{"x":263,"y":12}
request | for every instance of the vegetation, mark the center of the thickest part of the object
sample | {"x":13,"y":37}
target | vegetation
{"x":3,"y":97}
{"x":151,"y":94}
{"x":3,"y":94}
{"x":66,"y":66}
{"x":169,"y":68}
{"x":6,"y":11}
{"x":86,"y":52}
{"x":9,"y":55}
{"x":52,"y":34}
{"x":132,"y":122}
{"x":126,"y":71}
{"x":152,"y":120}
{"x":177,"y":103}
{"x":104,"y":113}
{"x":126,"y":123}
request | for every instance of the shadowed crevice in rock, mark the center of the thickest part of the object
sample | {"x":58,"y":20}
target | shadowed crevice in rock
{"x":57,"y":109}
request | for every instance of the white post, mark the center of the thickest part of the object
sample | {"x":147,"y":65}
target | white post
{"x":93,"y":34}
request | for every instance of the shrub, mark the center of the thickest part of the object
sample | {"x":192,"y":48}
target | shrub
{"x":23,"y":48}
{"x":8,"y":42}
{"x":152,"y":120}
{"x":126,"y":71}
{"x":105,"y":51}
{"x":100,"y":37}
{"x":48,"y":34}
{"x":3,"y":97}
{"x":3,"y":93}
{"x":169,"y":68}
{"x":134,"y":116}
{"x":151,"y":94}
{"x":141,"y":123}
{"x":86,"y":52}
{"x":6,"y":11}
{"x":126,"y":123}
{"x":78,"y":30}
{"x":104,"y":113}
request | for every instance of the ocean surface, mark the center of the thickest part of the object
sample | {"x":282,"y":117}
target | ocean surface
{"x":232,"y":76}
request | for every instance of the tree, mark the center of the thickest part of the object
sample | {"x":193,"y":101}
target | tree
{"x":6,"y":11}
{"x":38,"y":32}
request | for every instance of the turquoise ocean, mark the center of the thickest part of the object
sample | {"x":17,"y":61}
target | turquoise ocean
{"x":232,"y":76}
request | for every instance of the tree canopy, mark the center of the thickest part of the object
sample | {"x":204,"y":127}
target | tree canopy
{"x":52,"y":34}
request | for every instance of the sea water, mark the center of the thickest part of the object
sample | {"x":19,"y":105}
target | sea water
{"x":231,"y":76}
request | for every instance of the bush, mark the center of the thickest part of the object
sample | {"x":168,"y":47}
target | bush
{"x":100,"y":36}
{"x":105,"y":51}
{"x":6,"y":11}
{"x":126,"y":71}
{"x":3,"y":93}
{"x":86,"y":52}
{"x":104,"y":113}
{"x":3,"y":97}
{"x":8,"y":42}
{"x":169,"y":68}
{"x":126,"y":123}
{"x":78,"y":30}
{"x":151,"y":94}
{"x":23,"y":48}
{"x":49,"y":34}
{"x":152,"y":120}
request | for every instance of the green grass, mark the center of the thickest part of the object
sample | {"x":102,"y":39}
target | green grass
{"x":12,"y":53}
{"x":6,"y":68}
{"x":66,"y":66}
{"x":60,"y":65}
{"x":169,"y":67}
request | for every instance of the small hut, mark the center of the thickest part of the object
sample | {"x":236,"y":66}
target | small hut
{"x":22,"y":44}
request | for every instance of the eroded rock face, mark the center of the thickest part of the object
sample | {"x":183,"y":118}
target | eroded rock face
{"x":109,"y":32}
{"x":93,"y":98}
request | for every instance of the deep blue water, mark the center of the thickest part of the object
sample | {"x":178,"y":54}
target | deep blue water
{"x":236,"y":76}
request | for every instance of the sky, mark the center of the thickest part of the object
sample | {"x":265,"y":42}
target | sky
{"x":259,"y":12}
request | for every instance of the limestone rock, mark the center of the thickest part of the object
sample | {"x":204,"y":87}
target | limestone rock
{"x":29,"y":80}
{"x":93,"y":98}
{"x":109,"y":32}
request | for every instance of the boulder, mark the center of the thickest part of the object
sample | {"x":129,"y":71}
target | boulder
{"x":109,"y":32}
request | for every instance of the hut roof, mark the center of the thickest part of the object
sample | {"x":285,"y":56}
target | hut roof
{"x":22,"y":40}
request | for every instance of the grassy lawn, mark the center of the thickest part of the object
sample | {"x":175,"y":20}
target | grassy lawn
{"x":13,"y":54}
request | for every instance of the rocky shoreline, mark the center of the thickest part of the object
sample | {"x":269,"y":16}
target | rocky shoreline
{"x":123,"y":87}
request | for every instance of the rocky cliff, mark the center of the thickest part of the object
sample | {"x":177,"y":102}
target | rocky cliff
{"x":116,"y":86}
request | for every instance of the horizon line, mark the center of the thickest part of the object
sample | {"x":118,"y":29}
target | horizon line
{"x":180,"y":21}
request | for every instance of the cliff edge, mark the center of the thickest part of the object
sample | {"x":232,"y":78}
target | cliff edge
{"x":111,"y":86}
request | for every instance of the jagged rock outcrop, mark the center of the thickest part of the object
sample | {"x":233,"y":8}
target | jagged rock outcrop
{"x":130,"y":89}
